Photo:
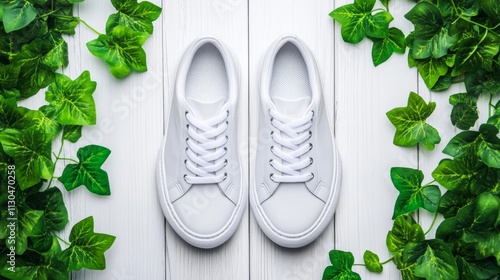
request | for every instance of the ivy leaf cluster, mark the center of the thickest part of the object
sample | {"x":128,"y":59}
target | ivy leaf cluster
{"x":453,"y":41}
{"x":33,"y":49}
{"x":360,"y":20}
{"x":27,"y":138}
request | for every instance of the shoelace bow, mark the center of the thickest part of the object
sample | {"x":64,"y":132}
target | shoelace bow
{"x":205,"y":149}
{"x":293,"y":136}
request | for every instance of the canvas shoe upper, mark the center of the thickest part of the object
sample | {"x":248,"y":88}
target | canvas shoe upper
{"x":297,"y":170}
{"x":199,"y":179}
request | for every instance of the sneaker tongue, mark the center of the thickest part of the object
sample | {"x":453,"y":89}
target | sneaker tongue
{"x":292,"y":107}
{"x":205,"y":109}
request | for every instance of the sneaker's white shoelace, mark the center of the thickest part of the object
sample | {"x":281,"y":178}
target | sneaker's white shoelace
{"x":205,"y":148}
{"x":293,"y":135}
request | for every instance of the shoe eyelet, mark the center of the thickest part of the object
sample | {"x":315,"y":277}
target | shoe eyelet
{"x":184,"y":177}
{"x":271,"y":162}
{"x":310,"y":146}
{"x":225,"y":177}
{"x":225,"y":162}
{"x":185,"y":113}
{"x":272,"y":149}
{"x":227,"y":138}
{"x":312,"y":112}
{"x":227,"y":111}
{"x":185,"y":161}
{"x":311,"y":160}
{"x":187,"y":126}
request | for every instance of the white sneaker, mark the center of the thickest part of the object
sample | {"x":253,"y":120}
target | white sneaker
{"x":297,"y":170}
{"x":198,"y":176}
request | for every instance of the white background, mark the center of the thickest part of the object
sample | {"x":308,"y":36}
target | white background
{"x":131,"y":116}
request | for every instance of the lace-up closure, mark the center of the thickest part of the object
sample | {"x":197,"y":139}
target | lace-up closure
{"x":293,"y":138}
{"x":205,"y":149}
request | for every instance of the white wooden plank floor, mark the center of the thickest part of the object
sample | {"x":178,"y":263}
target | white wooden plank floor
{"x":131,"y":117}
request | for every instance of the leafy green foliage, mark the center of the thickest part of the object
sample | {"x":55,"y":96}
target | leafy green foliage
{"x":358,"y":21}
{"x":412,"y":195}
{"x":71,"y":102}
{"x":32,"y":52}
{"x":431,"y":37}
{"x":341,"y":268}
{"x":383,"y":48}
{"x":433,"y":259}
{"x":410,"y":123}
{"x":17,"y":14}
{"x":405,"y":230}
{"x":136,"y":16}
{"x":88,"y":171}
{"x":87,"y":247}
{"x":464,"y":114}
{"x":121,"y":50}
{"x":453,"y":41}
{"x":485,"y":143}
{"x":372,"y":262}
{"x":31,"y":152}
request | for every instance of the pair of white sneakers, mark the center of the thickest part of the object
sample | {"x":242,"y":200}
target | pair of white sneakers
{"x":200,"y":184}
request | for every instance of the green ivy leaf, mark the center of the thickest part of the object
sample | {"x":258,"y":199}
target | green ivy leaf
{"x":431,"y":36}
{"x":478,"y":82}
{"x":470,"y":8}
{"x":341,"y":268}
{"x":35,"y":74}
{"x":29,"y":221}
{"x":67,"y":23}
{"x":12,"y":43}
{"x":31,"y":151}
{"x":383,"y":48}
{"x":87,"y":247}
{"x":72,"y":133}
{"x":410,"y":123}
{"x":372,"y":262}
{"x":37,"y":120}
{"x":431,"y":70}
{"x":404,"y":231}
{"x":491,"y":8}
{"x":121,"y":50}
{"x":460,"y":174}
{"x":412,"y":195}
{"x":136,"y":16}
{"x":72,"y":101}
{"x":377,"y":25}
{"x":443,"y":83}
{"x":477,"y":53}
{"x":452,"y":201}
{"x":88,"y":171}
{"x":8,"y":76}
{"x":495,"y":118}
{"x":485,"y":143}
{"x":353,"y":18}
{"x":9,"y":115}
{"x":17,"y":14}
{"x":464,"y":113}
{"x":471,"y":270}
{"x":433,"y":259}
{"x":51,"y":202}
{"x":478,"y":224}
{"x":34,"y":266}
{"x":58,"y":54}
